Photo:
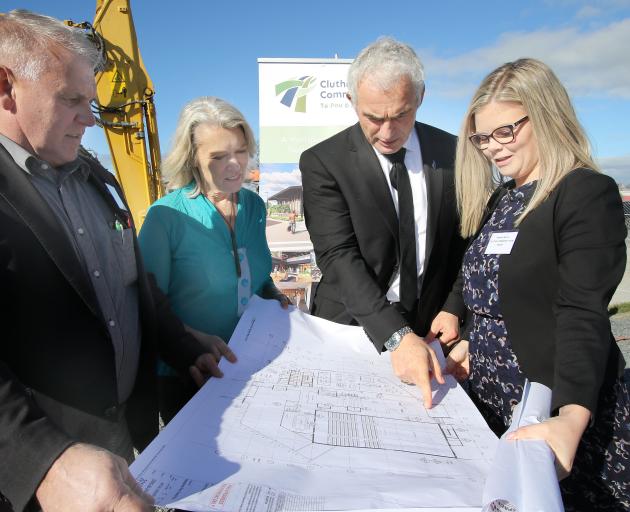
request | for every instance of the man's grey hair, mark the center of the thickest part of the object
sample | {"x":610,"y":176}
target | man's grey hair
{"x":385,"y":62}
{"x":32,"y":43}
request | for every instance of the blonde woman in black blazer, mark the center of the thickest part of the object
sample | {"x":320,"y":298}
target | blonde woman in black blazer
{"x":547,"y":252}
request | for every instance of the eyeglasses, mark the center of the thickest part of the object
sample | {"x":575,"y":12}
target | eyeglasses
{"x":503,"y":135}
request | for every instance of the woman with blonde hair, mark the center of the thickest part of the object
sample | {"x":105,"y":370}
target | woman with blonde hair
{"x":547,"y":253}
{"x":205,"y":241}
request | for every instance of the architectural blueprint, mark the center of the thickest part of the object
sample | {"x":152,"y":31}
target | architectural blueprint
{"x":311,"y":417}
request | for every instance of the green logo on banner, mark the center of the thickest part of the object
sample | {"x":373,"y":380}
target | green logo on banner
{"x":294,"y":92}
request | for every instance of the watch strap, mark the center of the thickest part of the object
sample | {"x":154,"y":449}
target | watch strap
{"x":394,"y":340}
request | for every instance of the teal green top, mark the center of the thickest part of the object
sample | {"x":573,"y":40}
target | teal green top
{"x":187,"y":245}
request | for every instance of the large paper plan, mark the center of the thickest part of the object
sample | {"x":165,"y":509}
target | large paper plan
{"x":311,"y":417}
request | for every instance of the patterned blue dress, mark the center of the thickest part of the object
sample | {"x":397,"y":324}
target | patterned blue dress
{"x":600,"y":478}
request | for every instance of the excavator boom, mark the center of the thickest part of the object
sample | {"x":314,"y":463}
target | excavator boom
{"x":125,"y":107}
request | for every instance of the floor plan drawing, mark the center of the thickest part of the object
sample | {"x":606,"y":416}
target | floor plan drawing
{"x":313,"y":418}
{"x":336,"y":409}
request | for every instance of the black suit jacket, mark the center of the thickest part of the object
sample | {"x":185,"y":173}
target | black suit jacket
{"x":353,"y":224}
{"x":55,"y":347}
{"x":556,"y":284}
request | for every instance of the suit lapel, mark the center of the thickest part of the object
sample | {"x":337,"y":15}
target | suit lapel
{"x":17,"y":190}
{"x":434,"y":178}
{"x":371,"y":172}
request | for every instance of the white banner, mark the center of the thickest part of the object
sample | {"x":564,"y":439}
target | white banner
{"x":302,"y":102}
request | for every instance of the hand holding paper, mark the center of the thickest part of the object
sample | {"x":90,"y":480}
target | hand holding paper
{"x":562,"y":433}
{"x":523,"y":476}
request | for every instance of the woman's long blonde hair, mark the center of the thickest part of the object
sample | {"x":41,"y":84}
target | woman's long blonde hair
{"x":561,"y":141}
{"x":180,"y":166}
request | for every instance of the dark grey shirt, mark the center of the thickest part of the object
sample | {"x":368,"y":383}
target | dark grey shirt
{"x":103,"y":245}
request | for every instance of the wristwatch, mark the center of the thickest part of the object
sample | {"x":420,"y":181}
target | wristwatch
{"x":394,"y":340}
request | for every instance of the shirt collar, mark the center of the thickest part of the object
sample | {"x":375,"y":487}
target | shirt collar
{"x":76,"y":165}
{"x":30,"y":164}
{"x":412,"y":144}
{"x":20,"y":155}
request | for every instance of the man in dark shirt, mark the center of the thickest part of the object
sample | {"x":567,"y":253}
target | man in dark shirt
{"x":81,"y":321}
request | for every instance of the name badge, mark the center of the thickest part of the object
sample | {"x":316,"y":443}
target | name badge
{"x":501,"y":242}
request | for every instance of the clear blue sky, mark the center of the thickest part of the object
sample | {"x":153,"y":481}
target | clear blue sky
{"x":193,"y":48}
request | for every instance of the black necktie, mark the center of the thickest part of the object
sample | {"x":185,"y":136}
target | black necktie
{"x":399,"y":178}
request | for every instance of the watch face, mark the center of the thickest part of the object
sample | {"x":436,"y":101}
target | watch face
{"x":393,"y":341}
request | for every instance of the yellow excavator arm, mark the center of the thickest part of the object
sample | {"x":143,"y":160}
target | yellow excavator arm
{"x":125,"y":107}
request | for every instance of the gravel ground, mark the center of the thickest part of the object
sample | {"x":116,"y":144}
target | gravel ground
{"x":621,"y":329}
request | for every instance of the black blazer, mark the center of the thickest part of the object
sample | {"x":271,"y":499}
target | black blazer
{"x":54,"y":342}
{"x":556,"y":284}
{"x":353,"y":224}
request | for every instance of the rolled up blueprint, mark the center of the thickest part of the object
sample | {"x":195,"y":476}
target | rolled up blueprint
{"x":522,"y":477}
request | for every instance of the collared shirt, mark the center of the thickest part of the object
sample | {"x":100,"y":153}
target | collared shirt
{"x":104,"y":248}
{"x":417,"y":178}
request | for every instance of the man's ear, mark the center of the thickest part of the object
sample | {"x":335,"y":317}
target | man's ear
{"x":421,"y":96}
{"x":7,"y":92}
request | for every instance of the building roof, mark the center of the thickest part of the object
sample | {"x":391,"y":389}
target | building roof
{"x":302,"y":258}
{"x":287,"y":194}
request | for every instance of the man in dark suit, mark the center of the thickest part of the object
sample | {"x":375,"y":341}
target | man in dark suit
{"x":393,"y":278}
{"x":81,"y":320}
